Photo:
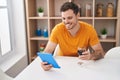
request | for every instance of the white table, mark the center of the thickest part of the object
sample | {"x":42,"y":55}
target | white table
{"x":104,"y":69}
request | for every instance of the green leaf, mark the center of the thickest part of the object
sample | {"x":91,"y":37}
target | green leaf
{"x":40,"y":10}
{"x":103,"y":31}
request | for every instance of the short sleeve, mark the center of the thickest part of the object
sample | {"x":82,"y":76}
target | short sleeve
{"x":53,"y":35}
{"x":93,"y":38}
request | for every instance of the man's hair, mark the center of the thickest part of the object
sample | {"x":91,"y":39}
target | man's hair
{"x":69,"y":5}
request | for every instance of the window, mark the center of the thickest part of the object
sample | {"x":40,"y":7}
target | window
{"x":5,"y":37}
{"x":17,"y":34}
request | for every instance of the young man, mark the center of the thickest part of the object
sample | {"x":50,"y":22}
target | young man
{"x":72,"y":35}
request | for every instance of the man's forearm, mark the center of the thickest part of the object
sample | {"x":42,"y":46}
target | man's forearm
{"x":98,"y":54}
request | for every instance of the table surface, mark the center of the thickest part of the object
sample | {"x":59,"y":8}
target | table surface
{"x":107,"y":68}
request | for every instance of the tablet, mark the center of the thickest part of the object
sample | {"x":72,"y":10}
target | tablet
{"x":47,"y":57}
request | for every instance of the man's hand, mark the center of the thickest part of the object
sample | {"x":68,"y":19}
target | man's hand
{"x":46,"y":66}
{"x":85,"y":55}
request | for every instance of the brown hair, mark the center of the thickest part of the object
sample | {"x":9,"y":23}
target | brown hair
{"x":69,"y":5}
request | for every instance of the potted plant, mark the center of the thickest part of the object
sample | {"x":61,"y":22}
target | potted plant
{"x":103,"y":33}
{"x":40,"y":11}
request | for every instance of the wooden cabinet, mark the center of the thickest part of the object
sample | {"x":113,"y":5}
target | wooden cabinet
{"x":52,"y":17}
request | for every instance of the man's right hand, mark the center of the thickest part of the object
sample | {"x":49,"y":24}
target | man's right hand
{"x":46,"y":66}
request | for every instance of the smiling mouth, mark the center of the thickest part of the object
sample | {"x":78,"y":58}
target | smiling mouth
{"x":67,"y":25}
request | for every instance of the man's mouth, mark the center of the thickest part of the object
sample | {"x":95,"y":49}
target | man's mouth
{"x":67,"y":25}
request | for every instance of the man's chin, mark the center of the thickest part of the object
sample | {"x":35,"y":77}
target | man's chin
{"x":69,"y":28}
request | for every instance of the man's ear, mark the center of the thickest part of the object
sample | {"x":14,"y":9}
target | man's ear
{"x":78,"y":15}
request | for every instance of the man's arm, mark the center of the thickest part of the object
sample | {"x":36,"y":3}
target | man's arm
{"x":98,"y":52}
{"x":50,"y":47}
{"x":94,"y":54}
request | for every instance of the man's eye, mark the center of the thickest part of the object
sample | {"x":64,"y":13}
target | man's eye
{"x":63,"y":18}
{"x":69,"y":17}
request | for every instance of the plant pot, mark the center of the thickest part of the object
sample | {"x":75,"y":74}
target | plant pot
{"x":103,"y":36}
{"x":40,"y":14}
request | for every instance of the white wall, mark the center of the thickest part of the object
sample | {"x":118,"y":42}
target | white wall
{"x":17,"y":61}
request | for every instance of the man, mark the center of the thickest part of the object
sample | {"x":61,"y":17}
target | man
{"x":73,"y":35}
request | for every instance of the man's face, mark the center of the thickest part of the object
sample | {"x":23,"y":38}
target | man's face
{"x":69,"y":19}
